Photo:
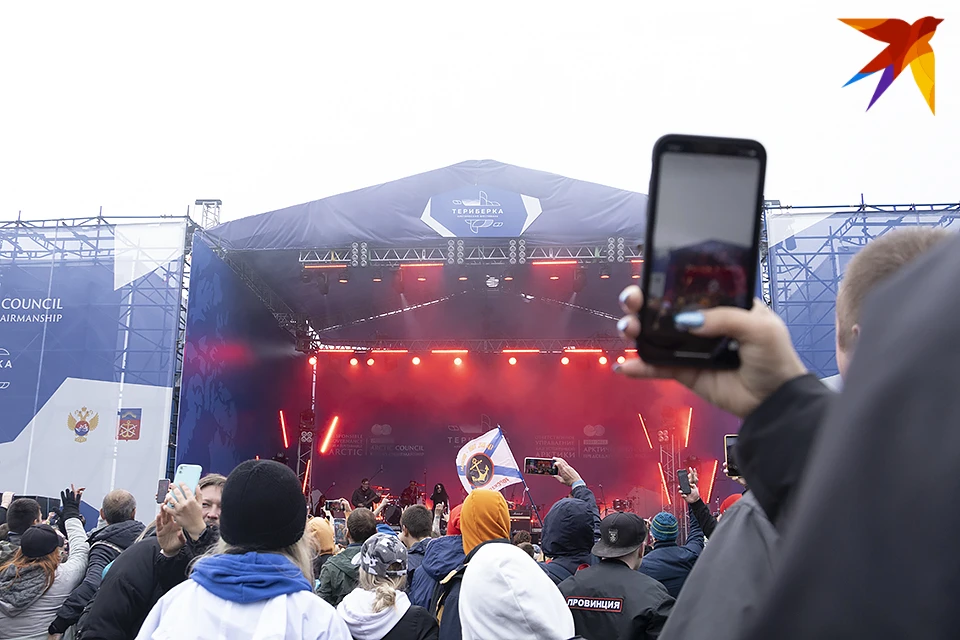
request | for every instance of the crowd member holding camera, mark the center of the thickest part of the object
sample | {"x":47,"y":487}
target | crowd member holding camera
{"x":258,"y":582}
{"x":34,"y":583}
{"x":570,"y":528}
{"x":833,"y":593}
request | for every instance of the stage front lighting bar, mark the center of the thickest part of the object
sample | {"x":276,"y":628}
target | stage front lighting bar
{"x":553,"y":263}
{"x":450,"y":351}
{"x":325,"y":266}
{"x":574,"y":350}
{"x":390,"y":351}
{"x":415,"y":265}
{"x":636,"y":261}
{"x":520,"y":351}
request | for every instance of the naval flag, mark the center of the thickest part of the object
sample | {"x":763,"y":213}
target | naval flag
{"x":487,"y":463}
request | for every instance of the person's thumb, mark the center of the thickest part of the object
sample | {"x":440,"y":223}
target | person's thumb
{"x":731,"y":322}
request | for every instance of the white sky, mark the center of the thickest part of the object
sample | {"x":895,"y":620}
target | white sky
{"x":143,"y":108}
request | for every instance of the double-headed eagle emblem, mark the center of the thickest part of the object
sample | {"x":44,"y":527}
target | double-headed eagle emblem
{"x":82,"y":422}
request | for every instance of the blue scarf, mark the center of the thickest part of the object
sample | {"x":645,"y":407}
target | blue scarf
{"x":250,"y":577}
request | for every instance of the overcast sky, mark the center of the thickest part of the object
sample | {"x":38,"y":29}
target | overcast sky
{"x":142,"y":109}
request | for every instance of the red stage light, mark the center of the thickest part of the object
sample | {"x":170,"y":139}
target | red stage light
{"x":635,"y":276}
{"x":416,"y":360}
{"x":324,"y":266}
{"x":541,"y":263}
{"x":354,"y":362}
{"x":686,"y":439}
{"x":637,"y":261}
{"x":422,"y":265}
{"x":283,"y":430}
{"x":520,"y":351}
{"x":458,"y":361}
{"x":645,"y":432}
{"x":450,"y":351}
{"x":370,"y":362}
{"x":306,"y":477}
{"x":508,"y":278}
{"x":421,"y":279}
{"x":621,"y":360}
{"x":462,"y":278}
{"x":564,"y":360}
{"x":575,"y":350}
{"x":312,"y":360}
{"x":512,"y":360}
{"x":330,"y":431}
{"x":554,"y":277}
{"x":710,"y":480}
{"x":603,"y":360}
{"x":666,"y":491}
{"x":388,"y":351}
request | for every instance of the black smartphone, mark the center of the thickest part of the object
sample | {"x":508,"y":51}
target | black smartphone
{"x":729,"y":445}
{"x":334,"y":505}
{"x":163,"y":486}
{"x":703,"y":235}
{"x":683,"y":477}
{"x":540,"y":466}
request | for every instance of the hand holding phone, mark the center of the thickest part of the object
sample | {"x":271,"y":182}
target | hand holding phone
{"x":731,"y":468}
{"x":163,"y":486}
{"x":188,"y":474}
{"x":702,"y":243}
{"x":540,"y":466}
{"x":684,"y":480}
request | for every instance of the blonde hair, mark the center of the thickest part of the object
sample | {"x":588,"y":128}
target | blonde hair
{"x":299,"y":553}
{"x":384,"y":588}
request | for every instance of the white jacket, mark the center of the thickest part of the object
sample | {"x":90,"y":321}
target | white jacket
{"x":33,"y":622}
{"x":357,"y":611}
{"x":190,"y":612}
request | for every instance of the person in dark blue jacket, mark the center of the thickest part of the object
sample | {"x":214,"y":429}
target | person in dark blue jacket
{"x":669,"y":563}
{"x":571,"y":528}
{"x":443,"y":555}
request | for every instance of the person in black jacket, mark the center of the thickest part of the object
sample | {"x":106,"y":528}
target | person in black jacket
{"x":612,"y":600}
{"x":118,"y":510}
{"x":571,"y":527}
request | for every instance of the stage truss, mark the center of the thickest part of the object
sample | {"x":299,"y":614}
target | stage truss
{"x":90,"y":241}
{"x":804,"y":269}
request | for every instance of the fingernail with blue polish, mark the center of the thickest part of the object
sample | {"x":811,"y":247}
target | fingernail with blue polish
{"x":688,"y":320}
{"x":623,"y":296}
{"x":622,"y":324}
{"x":616,"y":368}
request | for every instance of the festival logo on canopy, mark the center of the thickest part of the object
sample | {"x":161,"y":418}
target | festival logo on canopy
{"x":481,"y":211}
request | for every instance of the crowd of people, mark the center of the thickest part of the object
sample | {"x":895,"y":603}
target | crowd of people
{"x":239,"y":556}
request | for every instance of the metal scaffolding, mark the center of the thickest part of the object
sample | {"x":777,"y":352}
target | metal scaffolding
{"x":805,"y":267}
{"x":143,"y":354}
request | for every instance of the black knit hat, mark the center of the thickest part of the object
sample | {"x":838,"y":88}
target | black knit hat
{"x":39,"y":540}
{"x":262,"y":506}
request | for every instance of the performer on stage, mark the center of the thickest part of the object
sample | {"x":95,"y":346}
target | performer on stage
{"x":364,"y":496}
{"x":440,"y":497}
{"x":410,"y":496}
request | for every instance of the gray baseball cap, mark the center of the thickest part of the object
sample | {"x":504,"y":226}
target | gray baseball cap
{"x":379,"y":553}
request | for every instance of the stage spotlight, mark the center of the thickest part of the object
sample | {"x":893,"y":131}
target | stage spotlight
{"x":370,"y":362}
{"x":378,"y":275}
{"x":421,"y":278}
{"x":344,"y":277}
{"x":579,"y":280}
{"x":354,"y":362}
{"x":564,"y":360}
{"x":458,"y":361}
{"x":554,"y":277}
{"x":508,"y":276}
{"x":304,"y":276}
{"x":312,"y":360}
{"x":323,"y":283}
{"x":621,"y":359}
{"x":416,"y":360}
{"x":462,"y":277}
{"x":512,"y":360}
{"x":602,"y":360}
{"x":604,"y":273}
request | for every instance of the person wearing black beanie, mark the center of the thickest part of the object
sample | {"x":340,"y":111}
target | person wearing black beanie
{"x":263,"y":561}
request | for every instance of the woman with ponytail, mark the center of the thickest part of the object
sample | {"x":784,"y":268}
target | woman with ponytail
{"x":379,"y":609}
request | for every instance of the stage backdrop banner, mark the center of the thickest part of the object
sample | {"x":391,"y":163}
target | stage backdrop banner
{"x":239,"y":371}
{"x":89,"y":317}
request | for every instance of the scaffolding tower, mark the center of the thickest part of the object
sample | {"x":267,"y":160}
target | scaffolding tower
{"x":807,"y":251}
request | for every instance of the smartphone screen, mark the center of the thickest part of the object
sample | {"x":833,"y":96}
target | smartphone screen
{"x":334,"y":505}
{"x":188,"y":474}
{"x":730,"y":444}
{"x":163,"y":486}
{"x":540,"y":466}
{"x":706,"y":199}
{"x":684,"y":479}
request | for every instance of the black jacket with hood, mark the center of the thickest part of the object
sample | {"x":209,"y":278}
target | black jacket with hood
{"x":570,"y":530}
{"x":106,"y":544}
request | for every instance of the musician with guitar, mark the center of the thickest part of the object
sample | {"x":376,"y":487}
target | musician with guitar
{"x":364,"y":496}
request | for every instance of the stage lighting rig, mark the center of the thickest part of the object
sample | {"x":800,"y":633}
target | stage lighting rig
{"x":344,"y":277}
{"x":604,"y":273}
{"x":378,"y":275}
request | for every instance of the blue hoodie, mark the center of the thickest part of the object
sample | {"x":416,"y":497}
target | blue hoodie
{"x":443,"y":556}
{"x":250,"y":577}
{"x":570,"y":530}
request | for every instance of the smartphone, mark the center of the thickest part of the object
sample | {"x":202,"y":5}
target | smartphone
{"x":334,"y":505}
{"x":702,"y":243}
{"x":163,"y":486}
{"x":729,"y":445}
{"x":683,"y":477}
{"x":188,"y":474}
{"x":540,"y":466}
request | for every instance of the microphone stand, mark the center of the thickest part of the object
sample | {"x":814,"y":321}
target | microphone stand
{"x":603,"y":499}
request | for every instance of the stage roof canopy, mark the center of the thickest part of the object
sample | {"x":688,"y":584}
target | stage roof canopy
{"x":476,"y":199}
